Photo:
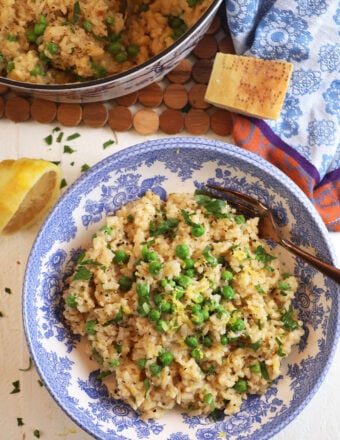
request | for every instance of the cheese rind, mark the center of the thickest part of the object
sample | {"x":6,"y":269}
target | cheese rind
{"x":250,"y":86}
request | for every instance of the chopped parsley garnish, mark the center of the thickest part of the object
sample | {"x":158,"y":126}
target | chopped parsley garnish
{"x":20,"y":421}
{"x":108,"y":144}
{"x":262,"y":255}
{"x":36,"y":433}
{"x":48,"y":139}
{"x":84,"y":167}
{"x":73,"y":136}
{"x":8,"y":290}
{"x":68,"y":149}
{"x":287,"y":319}
{"x":16,"y":387}
{"x":82,"y":273}
{"x":63,"y":183}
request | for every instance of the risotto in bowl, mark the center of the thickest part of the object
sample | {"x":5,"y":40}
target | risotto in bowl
{"x":160,"y":308}
{"x":90,"y":50}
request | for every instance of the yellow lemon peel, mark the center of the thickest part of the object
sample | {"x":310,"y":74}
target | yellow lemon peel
{"x":28,"y":189}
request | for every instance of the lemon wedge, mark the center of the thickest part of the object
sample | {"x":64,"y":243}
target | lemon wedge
{"x":28,"y":189}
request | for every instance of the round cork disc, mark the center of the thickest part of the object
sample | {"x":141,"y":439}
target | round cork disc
{"x":197,"y":121}
{"x":120,"y":118}
{"x":43,"y":111}
{"x":17,"y":109}
{"x":221,"y":122}
{"x":206,"y":48}
{"x":181,"y":73}
{"x":226,"y":45}
{"x":171,"y":121}
{"x":127,"y":100}
{"x":201,"y":71}
{"x":2,"y":106}
{"x":175,"y":96}
{"x":69,"y":115}
{"x":215,"y":25}
{"x":196,"y":96}
{"x":146,"y":121}
{"x":151,"y":96}
{"x":95,"y":115}
{"x":3,"y":89}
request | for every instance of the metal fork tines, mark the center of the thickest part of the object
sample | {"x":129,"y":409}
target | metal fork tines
{"x":268,"y":228}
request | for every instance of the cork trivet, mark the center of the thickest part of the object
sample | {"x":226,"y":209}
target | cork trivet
{"x":43,"y":111}
{"x":151,"y":96}
{"x":2,"y":106}
{"x":17,"y":109}
{"x":221,"y":122}
{"x":181,"y":73}
{"x":146,"y":121}
{"x":69,"y":115}
{"x":197,"y":121}
{"x":215,"y":25}
{"x":127,"y":100}
{"x":196,"y":96}
{"x":175,"y":96}
{"x":3,"y":89}
{"x":226,"y":45}
{"x":95,"y":115}
{"x":206,"y":48}
{"x":201,"y":71}
{"x":171,"y":121}
{"x":120,"y":118}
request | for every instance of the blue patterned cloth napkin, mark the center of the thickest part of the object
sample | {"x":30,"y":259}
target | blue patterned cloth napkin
{"x":307,"y":34}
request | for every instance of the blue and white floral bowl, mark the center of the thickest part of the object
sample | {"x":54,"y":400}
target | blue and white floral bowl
{"x":168,"y":165}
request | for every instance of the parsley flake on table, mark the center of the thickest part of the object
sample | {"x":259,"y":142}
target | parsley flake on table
{"x":8,"y":290}
{"x":36,"y":433}
{"x":20,"y":421}
{"x":108,"y":144}
{"x":16,"y":387}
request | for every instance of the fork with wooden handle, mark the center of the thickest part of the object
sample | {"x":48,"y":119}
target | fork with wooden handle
{"x":269,"y":229}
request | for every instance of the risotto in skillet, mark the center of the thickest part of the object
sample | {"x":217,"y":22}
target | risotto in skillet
{"x":183,"y":305}
{"x":63,"y":41}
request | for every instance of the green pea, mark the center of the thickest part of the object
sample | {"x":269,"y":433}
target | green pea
{"x":148,"y":255}
{"x":40,"y":27}
{"x":120,"y":257}
{"x":132,"y":50}
{"x":224,"y":339}
{"x":241,"y":386}
{"x":115,"y":47}
{"x":198,"y":230}
{"x":87,"y":25}
{"x":226,"y":275}
{"x":121,"y":56}
{"x":189,"y":263}
{"x":162,"y":326}
{"x":31,"y":35}
{"x":190,"y":273}
{"x":142,"y":290}
{"x":125,"y":283}
{"x":197,"y":354}
{"x":165,"y":306}
{"x":141,"y":363}
{"x":238,"y":325}
{"x":155,"y":268}
{"x":197,"y":318}
{"x":166,"y":357}
{"x":158,"y":298}
{"x":207,"y":341}
{"x":182,"y":251}
{"x":179,"y":292}
{"x":155,"y":369}
{"x":191,"y":341}
{"x":52,"y":48}
{"x":89,"y":327}
{"x":71,"y":301}
{"x":228,"y":292}
{"x":154,"y":315}
{"x":184,"y":280}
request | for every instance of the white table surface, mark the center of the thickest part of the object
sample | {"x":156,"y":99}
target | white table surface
{"x":320,"y":420}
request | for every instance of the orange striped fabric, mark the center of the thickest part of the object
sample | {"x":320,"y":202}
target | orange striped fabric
{"x":256,"y":136}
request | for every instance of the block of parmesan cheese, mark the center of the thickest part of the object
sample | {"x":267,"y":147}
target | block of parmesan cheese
{"x":250,"y":86}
